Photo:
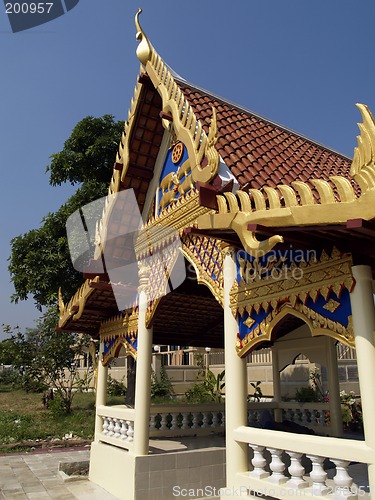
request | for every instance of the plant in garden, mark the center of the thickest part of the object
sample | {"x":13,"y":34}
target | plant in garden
{"x":317,"y":384}
{"x":207,"y":388}
{"x":257,"y":395}
{"x":161,"y":387}
{"x":115,"y":387}
{"x":307,"y":395}
{"x":351,"y":411}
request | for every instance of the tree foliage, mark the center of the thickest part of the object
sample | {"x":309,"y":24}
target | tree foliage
{"x":40,"y":262}
{"x":88,"y":153}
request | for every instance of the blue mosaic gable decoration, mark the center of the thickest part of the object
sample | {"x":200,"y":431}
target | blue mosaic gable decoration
{"x":169,"y":165}
{"x":175,"y":178}
{"x":334,"y":307}
{"x":315,"y":287}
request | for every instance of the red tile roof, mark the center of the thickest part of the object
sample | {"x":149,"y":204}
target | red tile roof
{"x":260,"y":152}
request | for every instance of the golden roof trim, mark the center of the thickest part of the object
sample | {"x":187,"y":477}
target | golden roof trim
{"x":295,"y":205}
{"x":79,"y":299}
{"x":122,"y":158}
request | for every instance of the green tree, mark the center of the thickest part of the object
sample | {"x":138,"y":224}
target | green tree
{"x":40,"y":261}
{"x":46,"y":358}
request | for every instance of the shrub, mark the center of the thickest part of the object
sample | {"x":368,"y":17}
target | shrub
{"x":162,"y":387}
{"x":307,"y":395}
{"x":31,"y":384}
{"x":198,"y":394}
{"x":207,"y":390}
{"x":57,"y":407}
{"x":115,"y":387}
{"x":10,"y":377}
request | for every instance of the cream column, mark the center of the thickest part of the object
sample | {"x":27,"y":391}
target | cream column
{"x":276,"y":384}
{"x":235,"y":380}
{"x":143,"y":375}
{"x":101,"y":390}
{"x":363,"y":312}
{"x":334,"y":388}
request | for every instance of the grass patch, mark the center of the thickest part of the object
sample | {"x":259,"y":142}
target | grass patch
{"x":23,"y":418}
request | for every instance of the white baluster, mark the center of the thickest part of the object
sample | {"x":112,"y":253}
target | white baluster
{"x":215,"y":419}
{"x":318,"y":475}
{"x":195,"y":420}
{"x":105,"y":425}
{"x":111,"y":427}
{"x":124,"y":430}
{"x":174,"y":422}
{"x":343,"y":481}
{"x":153,"y":422}
{"x":296,"y":470}
{"x":185,"y":420}
{"x":259,"y":462}
{"x":163,"y":423}
{"x":277,"y":466}
{"x":304,"y":416}
{"x":130,"y":425}
{"x":298,"y":416}
{"x":206,"y":418}
{"x":117,"y":428}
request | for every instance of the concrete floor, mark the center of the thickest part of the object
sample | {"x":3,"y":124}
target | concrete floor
{"x":35,"y":476}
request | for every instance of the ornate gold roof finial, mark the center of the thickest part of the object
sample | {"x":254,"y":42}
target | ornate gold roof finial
{"x":144,"y":48}
{"x":362,"y":168}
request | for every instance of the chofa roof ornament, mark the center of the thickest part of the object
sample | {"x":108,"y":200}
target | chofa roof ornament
{"x":144,"y":49}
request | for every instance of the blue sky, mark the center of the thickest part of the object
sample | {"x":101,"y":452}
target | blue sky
{"x":302,"y":64}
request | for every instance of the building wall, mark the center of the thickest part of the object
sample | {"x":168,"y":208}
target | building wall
{"x":259,"y":368}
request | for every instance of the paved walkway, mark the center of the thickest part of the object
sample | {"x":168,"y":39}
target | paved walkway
{"x":35,"y":476}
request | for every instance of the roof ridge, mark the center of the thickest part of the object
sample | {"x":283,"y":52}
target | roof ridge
{"x":181,"y":81}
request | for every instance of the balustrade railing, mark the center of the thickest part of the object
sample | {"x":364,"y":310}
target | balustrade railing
{"x":117,"y":425}
{"x":117,"y":422}
{"x":186,"y":420}
{"x":284,"y":465}
{"x":312,"y":415}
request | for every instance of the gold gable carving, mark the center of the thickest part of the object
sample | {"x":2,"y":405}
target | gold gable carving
{"x":189,"y":130}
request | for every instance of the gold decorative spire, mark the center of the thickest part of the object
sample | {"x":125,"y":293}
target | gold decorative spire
{"x":144,"y":49}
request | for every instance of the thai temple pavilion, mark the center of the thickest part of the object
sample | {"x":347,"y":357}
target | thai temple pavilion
{"x":276,"y":235}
